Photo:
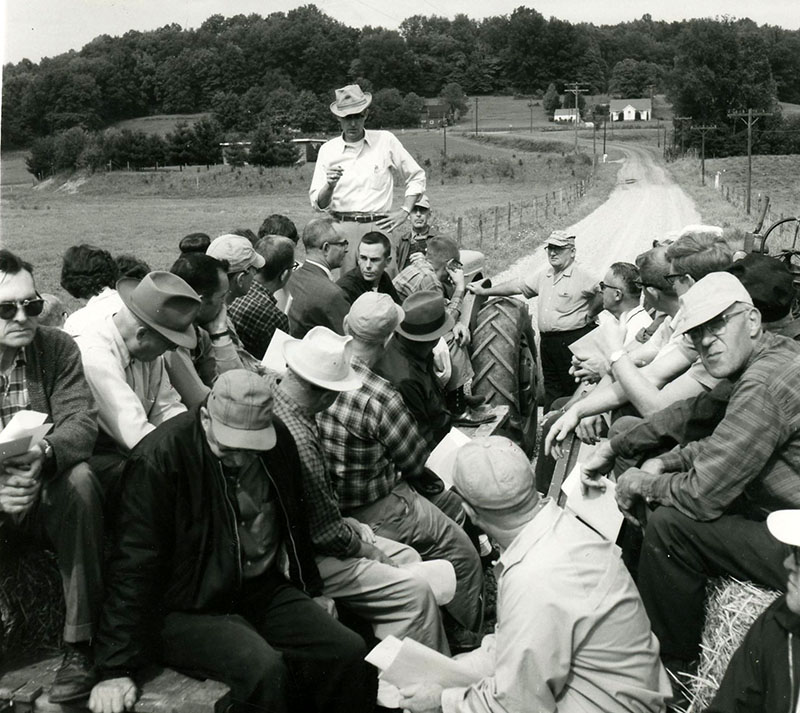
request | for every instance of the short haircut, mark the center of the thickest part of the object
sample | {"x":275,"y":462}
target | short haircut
{"x":444,"y":248}
{"x":53,"y":314}
{"x":194,"y":243}
{"x":317,"y":232}
{"x":375,"y":237}
{"x":86,"y":270}
{"x":278,"y":254}
{"x":698,"y":254}
{"x":245,"y":233}
{"x":131,"y":266}
{"x":628,"y":275}
{"x":200,"y":272}
{"x":277,"y":224}
{"x":653,"y":269}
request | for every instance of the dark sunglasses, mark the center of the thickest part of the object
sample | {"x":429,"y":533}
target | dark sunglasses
{"x":673,"y":277}
{"x":31,"y":308}
{"x":603,"y":286}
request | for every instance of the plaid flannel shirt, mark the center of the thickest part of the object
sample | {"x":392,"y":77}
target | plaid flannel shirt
{"x":330,"y":533}
{"x":14,"y":389}
{"x":371,"y":440}
{"x":257,"y":316}
{"x":420,"y":275}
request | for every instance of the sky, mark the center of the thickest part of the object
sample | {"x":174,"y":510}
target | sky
{"x":34,"y":29}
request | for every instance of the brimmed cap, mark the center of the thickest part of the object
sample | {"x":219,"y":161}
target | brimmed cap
{"x":237,"y":250}
{"x":350,"y":100}
{"x":493,"y":473}
{"x":423,"y":202}
{"x":561,"y":239}
{"x":165,"y":303}
{"x":323,"y":358}
{"x":373,"y":317}
{"x":769,"y":282}
{"x":709,"y":297}
{"x":240,"y":406}
{"x":784,"y":525}
{"x":425,"y":317}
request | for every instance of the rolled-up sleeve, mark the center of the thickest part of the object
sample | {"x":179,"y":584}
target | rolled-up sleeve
{"x":412,"y":173}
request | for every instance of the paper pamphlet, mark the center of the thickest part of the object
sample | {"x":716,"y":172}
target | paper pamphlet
{"x":597,"y":509}
{"x":273,"y":359}
{"x":590,"y":345}
{"x":24,"y":429}
{"x":440,"y":576}
{"x":442,"y":459}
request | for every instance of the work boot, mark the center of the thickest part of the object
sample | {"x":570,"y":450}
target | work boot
{"x":473,"y":400}
{"x":75,"y":677}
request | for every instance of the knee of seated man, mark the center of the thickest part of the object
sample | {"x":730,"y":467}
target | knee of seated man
{"x":76,"y":483}
{"x":664,"y":525}
{"x":623,"y":424}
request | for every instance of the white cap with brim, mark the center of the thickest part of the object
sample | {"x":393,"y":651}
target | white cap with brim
{"x":784,"y":525}
{"x":709,"y":297}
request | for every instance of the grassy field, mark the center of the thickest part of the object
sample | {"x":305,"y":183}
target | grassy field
{"x":160,"y":124}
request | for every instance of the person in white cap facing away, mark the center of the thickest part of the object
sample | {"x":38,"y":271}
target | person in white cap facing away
{"x":355,"y":173}
{"x":572,"y":635}
{"x":715,"y":493}
{"x":762,"y":674}
{"x":373,"y":446}
{"x":415,"y":242}
{"x":568,"y":299}
{"x":214,"y":567}
{"x":358,"y":569}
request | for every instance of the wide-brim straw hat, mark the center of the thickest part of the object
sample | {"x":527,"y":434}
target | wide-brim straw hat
{"x":350,"y":100}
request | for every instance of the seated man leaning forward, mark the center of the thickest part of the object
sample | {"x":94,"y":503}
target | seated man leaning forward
{"x":358,"y":569}
{"x":572,"y":635}
{"x":50,"y":490}
{"x":372,"y":444}
{"x":211,"y":507}
{"x":716,"y":492}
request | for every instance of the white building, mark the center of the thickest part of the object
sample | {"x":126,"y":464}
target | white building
{"x":631,"y":109}
{"x":565,"y":115}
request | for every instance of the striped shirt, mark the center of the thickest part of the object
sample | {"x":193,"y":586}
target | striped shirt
{"x":754,"y":451}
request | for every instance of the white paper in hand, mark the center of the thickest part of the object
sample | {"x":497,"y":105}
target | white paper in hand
{"x":273,"y":359}
{"x":442,"y":459}
{"x":597,"y":509}
{"x":24,"y":429}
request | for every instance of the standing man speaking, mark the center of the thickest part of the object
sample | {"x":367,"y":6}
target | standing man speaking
{"x":355,"y":173}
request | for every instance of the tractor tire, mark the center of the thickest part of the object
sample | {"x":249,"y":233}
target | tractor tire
{"x":504,"y":362}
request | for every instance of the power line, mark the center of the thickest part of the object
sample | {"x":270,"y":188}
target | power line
{"x":749,"y":117}
{"x":576,"y":88}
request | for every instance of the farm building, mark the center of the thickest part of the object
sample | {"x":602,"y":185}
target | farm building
{"x":434,"y":114}
{"x":565,"y":114}
{"x":631,"y":109}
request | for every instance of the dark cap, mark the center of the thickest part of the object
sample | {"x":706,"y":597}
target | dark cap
{"x":769,"y":282}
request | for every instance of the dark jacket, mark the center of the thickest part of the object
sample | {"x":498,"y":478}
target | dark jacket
{"x":763,"y":675}
{"x":177,"y":544}
{"x":316,"y":301}
{"x":57,"y":387}
{"x":353,"y":284}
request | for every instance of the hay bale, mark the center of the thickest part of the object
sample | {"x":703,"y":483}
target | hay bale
{"x":31,"y":601}
{"x":731,"y":608}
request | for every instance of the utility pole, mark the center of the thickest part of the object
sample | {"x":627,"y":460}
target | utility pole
{"x":681,"y":120}
{"x":703,"y":131}
{"x":476,"y":116}
{"x":444,"y":127}
{"x":749,"y":118}
{"x":658,"y":134}
{"x":576,"y":89}
{"x":605,"y":123}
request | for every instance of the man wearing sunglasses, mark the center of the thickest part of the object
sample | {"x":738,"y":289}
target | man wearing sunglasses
{"x":355,"y":173}
{"x":49,"y":491}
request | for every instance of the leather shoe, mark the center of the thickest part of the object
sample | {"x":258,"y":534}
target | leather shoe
{"x":75,"y":677}
{"x":473,"y":400}
{"x":475,"y":416}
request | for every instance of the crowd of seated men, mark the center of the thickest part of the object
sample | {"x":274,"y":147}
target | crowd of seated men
{"x":267,"y":527}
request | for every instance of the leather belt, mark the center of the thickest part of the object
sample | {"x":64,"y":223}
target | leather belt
{"x":358,"y":217}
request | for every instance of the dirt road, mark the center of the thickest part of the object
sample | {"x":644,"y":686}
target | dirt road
{"x":646,"y":204}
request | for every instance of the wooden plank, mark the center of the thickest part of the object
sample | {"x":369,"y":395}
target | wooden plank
{"x":564,"y":466}
{"x":500,"y":414}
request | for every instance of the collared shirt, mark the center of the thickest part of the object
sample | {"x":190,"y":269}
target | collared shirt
{"x":14,"y":389}
{"x":330,"y":533}
{"x":256,"y":316}
{"x":370,"y":167}
{"x":133,"y":397}
{"x":353,"y":284}
{"x":419,"y":275}
{"x":634,"y":321}
{"x":370,"y":439}
{"x":755,"y":449}
{"x":572,"y":634}
{"x":564,"y":299}
{"x":85,"y":319}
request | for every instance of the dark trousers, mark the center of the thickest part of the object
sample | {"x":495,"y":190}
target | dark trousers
{"x":679,"y":554}
{"x":556,"y":361}
{"x":278,"y":651}
{"x":69,"y":516}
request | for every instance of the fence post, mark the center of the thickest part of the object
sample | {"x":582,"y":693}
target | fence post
{"x":546,"y":204}
{"x":535,"y":211}
{"x":459,"y":230}
{"x":561,"y":200}
{"x":509,"y":215}
{"x":496,"y":215}
{"x":480,"y":229}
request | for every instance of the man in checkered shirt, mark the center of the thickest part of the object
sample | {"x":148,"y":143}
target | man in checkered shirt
{"x":372,"y":445}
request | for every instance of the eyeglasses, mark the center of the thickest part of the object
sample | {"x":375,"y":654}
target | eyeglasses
{"x":555,"y":248}
{"x":360,"y":115}
{"x":603,"y":286}
{"x":641,"y":285}
{"x":340,"y":242}
{"x":31,"y":308}
{"x":454,"y":264}
{"x":295,"y":266}
{"x":715,"y":327}
{"x":674,"y":277}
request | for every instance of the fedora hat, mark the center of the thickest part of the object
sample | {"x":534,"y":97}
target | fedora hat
{"x":426,"y":319}
{"x":165,"y":303}
{"x":350,"y":100}
{"x":323,"y":358}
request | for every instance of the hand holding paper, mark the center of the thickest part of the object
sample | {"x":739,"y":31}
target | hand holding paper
{"x":23,"y":431}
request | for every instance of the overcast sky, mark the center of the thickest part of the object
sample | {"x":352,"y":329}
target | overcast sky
{"x":41,"y":28}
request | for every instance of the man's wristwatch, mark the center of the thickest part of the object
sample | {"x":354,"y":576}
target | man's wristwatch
{"x":219,"y":335}
{"x":47,"y":449}
{"x":615,"y":356}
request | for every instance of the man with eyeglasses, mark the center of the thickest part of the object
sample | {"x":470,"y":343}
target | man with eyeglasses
{"x":315,"y":300}
{"x":49,"y":492}
{"x":355,"y":173}
{"x":715,"y":493}
{"x":568,"y":300}
{"x":415,"y":242}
